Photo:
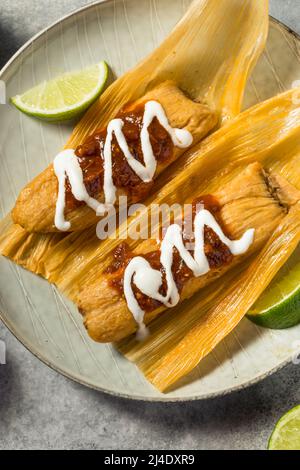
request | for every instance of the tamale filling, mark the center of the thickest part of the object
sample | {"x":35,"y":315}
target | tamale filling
{"x":217,"y":253}
{"x":91,"y":159}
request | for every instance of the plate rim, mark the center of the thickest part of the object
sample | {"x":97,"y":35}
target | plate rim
{"x":5,"y":317}
{"x":160,"y":399}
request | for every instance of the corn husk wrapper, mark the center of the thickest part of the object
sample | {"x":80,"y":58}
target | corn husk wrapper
{"x":178,"y":342}
{"x":209,"y":55}
{"x":269,"y":133}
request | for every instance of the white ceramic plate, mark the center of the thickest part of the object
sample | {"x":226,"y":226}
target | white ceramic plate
{"x":120,"y":32}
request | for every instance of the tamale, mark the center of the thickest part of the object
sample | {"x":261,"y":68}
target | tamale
{"x":207,"y":55}
{"x":169,"y":356}
{"x":35,"y":206}
{"x":254,"y":199}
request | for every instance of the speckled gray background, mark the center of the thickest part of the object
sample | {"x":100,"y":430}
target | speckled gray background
{"x":40,"y":409}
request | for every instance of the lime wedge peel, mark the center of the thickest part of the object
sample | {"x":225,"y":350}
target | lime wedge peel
{"x":66,"y":96}
{"x":286,"y":434}
{"x":279,"y":306}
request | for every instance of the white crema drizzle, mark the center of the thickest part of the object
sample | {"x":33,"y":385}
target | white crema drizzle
{"x":149,"y":280}
{"x":66,"y":163}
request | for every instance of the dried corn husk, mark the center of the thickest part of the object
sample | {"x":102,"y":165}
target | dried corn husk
{"x":209,"y":55}
{"x":179,"y":342}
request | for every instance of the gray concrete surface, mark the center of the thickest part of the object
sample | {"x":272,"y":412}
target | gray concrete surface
{"x":39,"y":409}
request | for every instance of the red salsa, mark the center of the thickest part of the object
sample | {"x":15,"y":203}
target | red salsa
{"x":217,"y":253}
{"x":90,"y":156}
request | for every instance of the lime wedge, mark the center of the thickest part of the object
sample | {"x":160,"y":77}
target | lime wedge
{"x":279,"y":306}
{"x":64,"y":97}
{"x":286,"y":435}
